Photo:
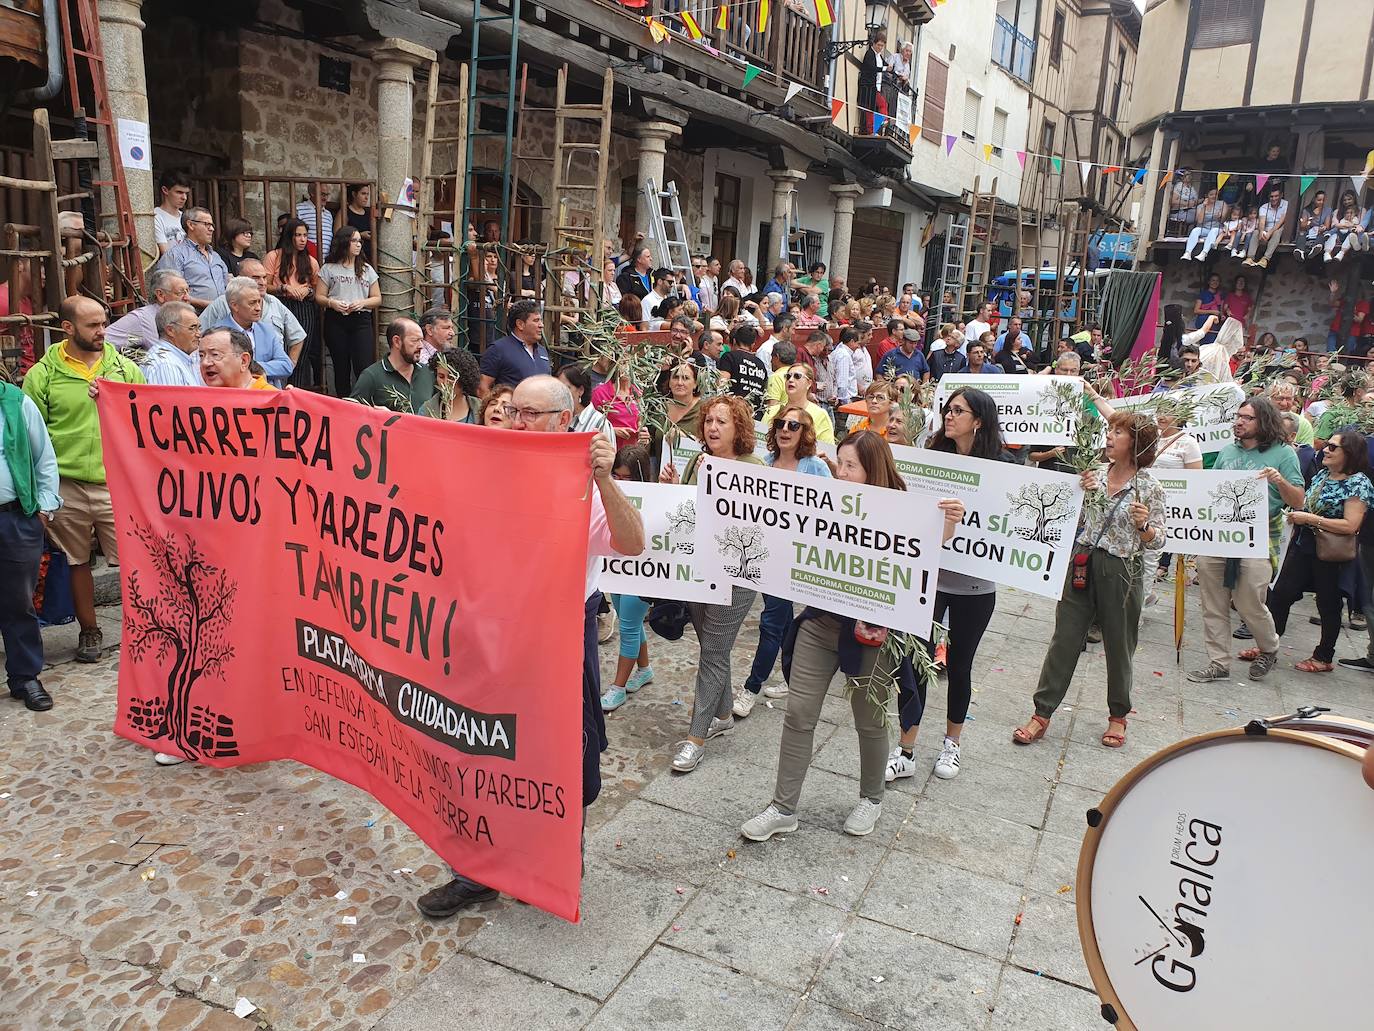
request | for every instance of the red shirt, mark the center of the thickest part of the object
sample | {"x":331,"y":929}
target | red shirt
{"x":878,"y":348}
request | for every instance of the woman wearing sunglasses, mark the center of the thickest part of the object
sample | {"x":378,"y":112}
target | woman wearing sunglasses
{"x":964,"y":604}
{"x":822,"y":644}
{"x":727,"y":433}
{"x":791,"y":445}
{"x":1334,"y":505}
{"x":799,"y":381}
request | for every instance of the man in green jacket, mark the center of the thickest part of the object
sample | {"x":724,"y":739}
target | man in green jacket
{"x":397,"y":381}
{"x":60,"y":385}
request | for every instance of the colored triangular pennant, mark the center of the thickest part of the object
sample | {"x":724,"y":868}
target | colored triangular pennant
{"x":656,"y":31}
{"x":836,"y":106}
{"x":763,"y":16}
{"x":825,"y":15}
{"x":722,"y":17}
{"x":913,"y":132}
{"x":1165,"y":178}
{"x":1260,"y":180}
{"x":949,"y":143}
{"x":751,"y":72}
{"x":1057,"y":164}
{"x":987,"y":151}
{"x":1110,"y":169}
{"x":1221,"y":179}
{"x":793,"y":88}
{"x":878,"y":120}
{"x":1307,"y":181}
{"x":1140,"y":175}
{"x":1021,"y":158}
{"x":690,"y":23}
{"x":1086,"y":167}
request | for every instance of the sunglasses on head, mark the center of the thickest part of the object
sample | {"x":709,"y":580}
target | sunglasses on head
{"x":787,"y":424}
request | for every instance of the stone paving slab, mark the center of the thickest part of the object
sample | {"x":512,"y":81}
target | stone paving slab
{"x":686,"y":925}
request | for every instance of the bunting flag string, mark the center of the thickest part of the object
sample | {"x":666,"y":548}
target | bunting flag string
{"x":878,"y":120}
{"x":1058,"y":164}
{"x":836,"y":106}
{"x":949,"y":143}
{"x":657,"y":30}
{"x":987,"y":151}
{"x":1307,"y":181}
{"x":793,"y":88}
{"x":763,"y":16}
{"x":825,"y":14}
{"x":693,"y":29}
{"x":722,"y":17}
{"x":1086,"y":167}
{"x":1021,"y":159}
{"x":751,"y":72}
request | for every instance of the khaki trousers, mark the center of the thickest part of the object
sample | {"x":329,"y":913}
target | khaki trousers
{"x":1248,"y":596}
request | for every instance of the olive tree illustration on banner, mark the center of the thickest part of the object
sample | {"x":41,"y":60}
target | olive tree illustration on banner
{"x":181,"y":619}
{"x":1239,"y":495}
{"x":682,"y":527}
{"x":744,"y":543}
{"x":1046,"y":504}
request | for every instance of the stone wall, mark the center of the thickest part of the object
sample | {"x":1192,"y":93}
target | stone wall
{"x":1294,"y":299}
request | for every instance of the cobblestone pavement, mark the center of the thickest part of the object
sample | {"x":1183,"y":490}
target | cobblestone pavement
{"x":133,"y":896}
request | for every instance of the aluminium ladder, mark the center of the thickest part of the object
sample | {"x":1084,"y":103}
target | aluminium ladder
{"x":667,"y":233}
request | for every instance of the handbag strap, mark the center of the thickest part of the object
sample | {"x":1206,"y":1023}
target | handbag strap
{"x":1107,"y":521}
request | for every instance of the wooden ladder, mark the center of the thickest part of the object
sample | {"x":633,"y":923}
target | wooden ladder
{"x":978,"y":250}
{"x":440,"y":152}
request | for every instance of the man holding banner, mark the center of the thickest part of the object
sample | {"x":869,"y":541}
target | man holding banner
{"x":1260,"y":448}
{"x":543,"y":404}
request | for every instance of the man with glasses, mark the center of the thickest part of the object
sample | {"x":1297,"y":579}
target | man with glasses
{"x":174,"y":360}
{"x":543,"y":404}
{"x":196,"y":260}
{"x":274,"y":313}
{"x":707,"y":271}
{"x":140,"y":325}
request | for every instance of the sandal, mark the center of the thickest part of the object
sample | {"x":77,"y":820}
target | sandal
{"x":1313,"y":665}
{"x":1113,"y":738}
{"x":1031,"y":732}
{"x":1250,"y":654}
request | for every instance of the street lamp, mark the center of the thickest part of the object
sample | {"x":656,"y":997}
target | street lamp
{"x":875,"y":18}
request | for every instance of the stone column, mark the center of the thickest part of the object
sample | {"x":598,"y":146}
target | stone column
{"x":845,"y":195}
{"x":653,"y":149}
{"x":121,"y":34}
{"x":394,"y":254}
{"x":784,"y":185}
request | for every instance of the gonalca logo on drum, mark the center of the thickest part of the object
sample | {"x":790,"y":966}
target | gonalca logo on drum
{"x":1196,"y":851}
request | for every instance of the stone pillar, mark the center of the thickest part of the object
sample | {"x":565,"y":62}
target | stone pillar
{"x":121,"y":34}
{"x":845,"y":195}
{"x":784,"y":186}
{"x":394,"y":254}
{"x":653,"y":149}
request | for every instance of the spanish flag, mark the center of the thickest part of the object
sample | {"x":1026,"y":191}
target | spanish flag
{"x":763,"y":16}
{"x":693,"y":29}
{"x":825,"y":14}
{"x":722,"y":18}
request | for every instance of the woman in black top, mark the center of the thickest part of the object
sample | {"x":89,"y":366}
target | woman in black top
{"x":234,"y":244}
{"x":871,"y":83}
{"x":359,"y":215}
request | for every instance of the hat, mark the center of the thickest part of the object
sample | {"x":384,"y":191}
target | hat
{"x":668,"y":619}
{"x":911,"y":334}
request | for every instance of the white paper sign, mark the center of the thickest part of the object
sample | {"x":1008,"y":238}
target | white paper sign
{"x":1223,"y":513}
{"x":1212,"y":419}
{"x":1031,"y":409}
{"x":1019,"y":521}
{"x":667,"y":567}
{"x":867,"y":552}
{"x":135,"y":144}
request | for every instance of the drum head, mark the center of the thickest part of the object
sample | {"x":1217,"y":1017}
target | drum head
{"x":1197,"y":890}
{"x":1342,"y":728}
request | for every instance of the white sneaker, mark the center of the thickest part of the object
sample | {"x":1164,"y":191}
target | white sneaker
{"x":863,"y":818}
{"x":719,"y":726}
{"x":744,"y":704}
{"x":776,"y":690}
{"x":606,"y":626}
{"x":1185,"y":257}
{"x":769,"y":822}
{"x":899,"y":765}
{"x":163,"y":759}
{"x":947,"y":766}
{"x":687,"y":756}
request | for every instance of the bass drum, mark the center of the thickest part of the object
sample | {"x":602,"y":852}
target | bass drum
{"x":1343,"y":728}
{"x":1200,"y":884}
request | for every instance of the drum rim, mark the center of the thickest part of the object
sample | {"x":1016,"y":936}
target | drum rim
{"x":1092,"y":956}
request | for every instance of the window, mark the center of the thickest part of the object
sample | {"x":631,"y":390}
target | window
{"x":933,"y":100}
{"x":1224,"y":23}
{"x":1047,"y":138}
{"x":1057,"y":38}
{"x":1120,"y":79}
{"x":725,"y":219}
{"x":973,"y":111}
{"x":999,"y":130}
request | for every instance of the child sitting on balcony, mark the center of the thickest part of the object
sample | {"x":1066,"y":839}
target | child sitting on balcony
{"x":1236,"y":233}
{"x":1349,"y":228}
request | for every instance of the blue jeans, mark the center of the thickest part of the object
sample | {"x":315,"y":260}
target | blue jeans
{"x":21,"y":548}
{"x":773,"y":624}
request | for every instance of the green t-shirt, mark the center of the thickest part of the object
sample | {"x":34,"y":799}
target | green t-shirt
{"x":823,"y":285}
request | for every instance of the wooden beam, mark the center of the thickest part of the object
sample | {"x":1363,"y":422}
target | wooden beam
{"x":71,"y":150}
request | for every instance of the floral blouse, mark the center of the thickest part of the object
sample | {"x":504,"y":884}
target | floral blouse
{"x":1121,"y":537}
{"x":1327,"y":497}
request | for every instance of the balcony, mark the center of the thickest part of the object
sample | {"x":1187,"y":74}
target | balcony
{"x":1013,"y":52}
{"x":789,"y":51}
{"x":884,"y":142}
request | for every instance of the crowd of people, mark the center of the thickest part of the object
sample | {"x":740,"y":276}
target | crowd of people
{"x":834,"y":379}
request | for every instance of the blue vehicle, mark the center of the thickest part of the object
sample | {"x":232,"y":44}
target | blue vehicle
{"x":1002,"y":292}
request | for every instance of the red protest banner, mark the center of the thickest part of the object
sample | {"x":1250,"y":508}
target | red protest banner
{"x":396,"y":601}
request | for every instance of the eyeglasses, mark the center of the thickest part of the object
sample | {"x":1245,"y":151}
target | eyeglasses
{"x":957,"y":410}
{"x":797,"y":375}
{"x":791,"y":425}
{"x":527,"y":414}
{"x":200,"y":222}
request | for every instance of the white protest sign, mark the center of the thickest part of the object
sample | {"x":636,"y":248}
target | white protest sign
{"x":135,"y":144}
{"x":1223,"y":513}
{"x":1031,"y":409}
{"x":667,"y":567}
{"x":1211,"y":410}
{"x":871,"y":553}
{"x":1019,"y":522}
{"x":681,"y":448}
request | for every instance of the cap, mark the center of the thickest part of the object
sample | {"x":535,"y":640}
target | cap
{"x":911,"y":334}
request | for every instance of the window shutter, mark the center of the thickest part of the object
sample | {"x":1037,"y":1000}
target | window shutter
{"x":933,"y":113}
